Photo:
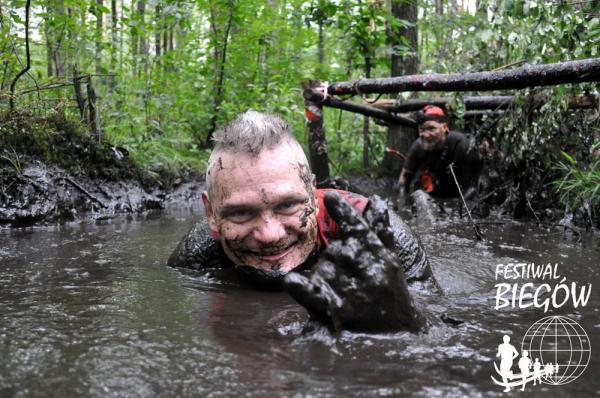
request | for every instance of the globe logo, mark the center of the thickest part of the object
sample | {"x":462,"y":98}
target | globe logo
{"x":555,"y":350}
{"x":561,"y":346}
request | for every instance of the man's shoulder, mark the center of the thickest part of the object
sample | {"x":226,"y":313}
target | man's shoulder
{"x":416,"y":147}
{"x":198,"y":249}
{"x":458,"y":143}
{"x":457,"y":136}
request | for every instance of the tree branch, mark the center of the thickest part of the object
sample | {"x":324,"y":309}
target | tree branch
{"x":28,"y":65}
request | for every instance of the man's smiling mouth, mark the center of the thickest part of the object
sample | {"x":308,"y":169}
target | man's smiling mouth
{"x":272,"y":255}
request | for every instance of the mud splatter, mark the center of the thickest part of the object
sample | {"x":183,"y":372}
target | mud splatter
{"x":306,"y":177}
{"x":306,"y":213}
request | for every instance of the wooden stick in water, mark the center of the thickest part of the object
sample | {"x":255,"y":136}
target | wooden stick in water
{"x":475,"y":227}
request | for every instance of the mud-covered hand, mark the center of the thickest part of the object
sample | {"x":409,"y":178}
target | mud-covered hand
{"x":357,"y":283}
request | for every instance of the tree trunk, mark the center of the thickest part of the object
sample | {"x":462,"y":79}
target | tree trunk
{"x":400,"y":137}
{"x":94,"y":117}
{"x":99,"y":17}
{"x":143,"y":47}
{"x":134,"y":38}
{"x":221,"y":52}
{"x":165,"y":39}
{"x":439,"y":7}
{"x":49,"y":40}
{"x":5,"y":30}
{"x":59,"y":56}
{"x":114,"y":38}
{"x":79,"y":95}
{"x":317,"y":143}
{"x":121,"y":37}
{"x":321,"y":54}
{"x":366,"y":140}
{"x":157,"y":30}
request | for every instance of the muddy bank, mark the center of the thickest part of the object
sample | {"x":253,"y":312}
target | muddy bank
{"x":51,"y":172}
{"x":43,"y":193}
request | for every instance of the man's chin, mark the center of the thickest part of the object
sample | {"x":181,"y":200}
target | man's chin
{"x":268,"y":275}
{"x":266,"y":279}
{"x":277,"y":268}
{"x":428,"y":146}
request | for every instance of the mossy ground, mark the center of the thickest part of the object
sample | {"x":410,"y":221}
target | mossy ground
{"x":55,"y":139}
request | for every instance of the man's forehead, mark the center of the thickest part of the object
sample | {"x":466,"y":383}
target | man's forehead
{"x":275,"y":172}
{"x":431,"y":123}
{"x":280,"y":159}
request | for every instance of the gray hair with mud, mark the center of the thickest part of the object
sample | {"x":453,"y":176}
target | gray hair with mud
{"x":248,"y":134}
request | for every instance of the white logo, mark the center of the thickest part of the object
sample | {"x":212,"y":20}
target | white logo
{"x":555,"y":350}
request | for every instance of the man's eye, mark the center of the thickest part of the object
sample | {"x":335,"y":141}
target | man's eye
{"x":287,"y":208}
{"x":240,"y":216}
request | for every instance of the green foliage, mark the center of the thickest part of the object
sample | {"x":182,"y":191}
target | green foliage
{"x":579,"y":186}
{"x":160,"y":105}
{"x":13,"y":158}
{"x":516,"y":31}
{"x":532,"y":138}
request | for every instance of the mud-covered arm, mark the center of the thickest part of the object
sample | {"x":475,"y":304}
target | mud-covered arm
{"x":197,"y":249}
{"x":412,"y":162}
{"x":409,"y":251}
{"x":358,"y":283}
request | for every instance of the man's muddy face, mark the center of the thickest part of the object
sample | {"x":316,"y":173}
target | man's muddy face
{"x":264,"y":208}
{"x":432,"y":134}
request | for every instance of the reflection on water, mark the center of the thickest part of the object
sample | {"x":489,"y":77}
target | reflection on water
{"x":91,"y":310}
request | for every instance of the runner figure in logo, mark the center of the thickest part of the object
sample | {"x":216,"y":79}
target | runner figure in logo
{"x":507,"y":353}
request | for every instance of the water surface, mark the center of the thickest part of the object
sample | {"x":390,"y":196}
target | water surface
{"x":90,"y":309}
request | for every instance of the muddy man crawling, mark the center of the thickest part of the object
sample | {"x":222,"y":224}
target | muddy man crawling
{"x":344,"y":257}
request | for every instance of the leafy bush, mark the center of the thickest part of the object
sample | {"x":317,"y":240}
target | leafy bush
{"x":579,"y":186}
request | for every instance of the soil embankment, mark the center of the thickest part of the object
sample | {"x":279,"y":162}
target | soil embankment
{"x":51,"y":172}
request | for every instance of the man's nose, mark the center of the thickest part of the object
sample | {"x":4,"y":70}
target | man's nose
{"x":270,"y":230}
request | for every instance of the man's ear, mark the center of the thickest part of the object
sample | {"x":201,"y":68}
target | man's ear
{"x":209,"y":211}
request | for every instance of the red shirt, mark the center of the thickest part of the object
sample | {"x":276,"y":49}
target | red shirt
{"x":328,"y":227}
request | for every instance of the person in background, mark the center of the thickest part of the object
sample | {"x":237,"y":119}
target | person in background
{"x":427,"y":166}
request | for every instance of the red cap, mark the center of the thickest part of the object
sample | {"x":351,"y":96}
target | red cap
{"x":431,"y":112}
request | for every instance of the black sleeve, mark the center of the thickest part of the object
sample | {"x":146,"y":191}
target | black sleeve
{"x":412,"y":159}
{"x":197,"y":250}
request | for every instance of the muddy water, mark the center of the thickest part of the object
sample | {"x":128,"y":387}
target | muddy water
{"x":91,"y":310}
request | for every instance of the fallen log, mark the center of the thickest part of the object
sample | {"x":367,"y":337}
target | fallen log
{"x":580,"y":71}
{"x":367,"y":110}
{"x":473,"y":103}
{"x":486,"y":112}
